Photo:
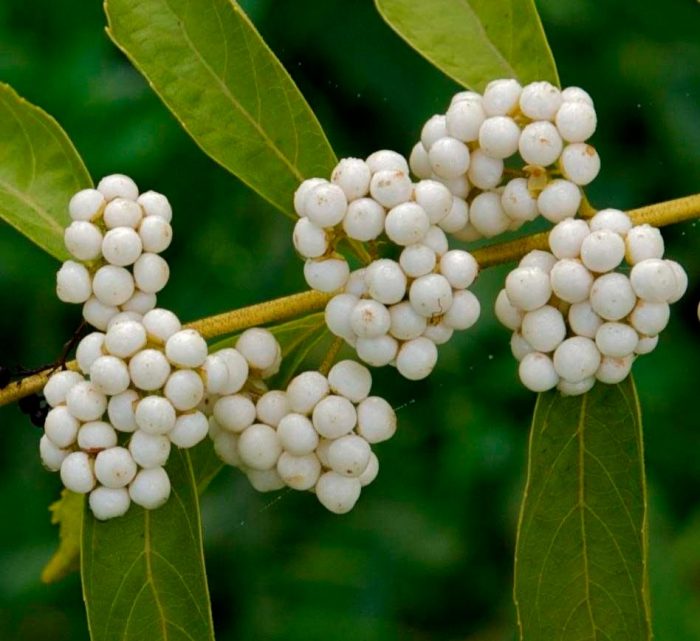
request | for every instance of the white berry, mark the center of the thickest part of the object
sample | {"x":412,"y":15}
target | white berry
{"x":259,"y":447}
{"x":416,"y":358}
{"x":149,"y":369}
{"x":528,"y":288}
{"x":299,"y":472}
{"x":73,"y":283}
{"x":118,"y":186}
{"x":306,"y":390}
{"x":189,"y":429}
{"x":149,"y":450}
{"x":430,"y":295}
{"x":155,"y":204}
{"x":115,"y":467}
{"x":77,"y":473}
{"x":150,"y":488}
{"x":352,"y":175}
{"x":155,"y":415}
{"x":537,"y":372}
{"x":83,"y":240}
{"x":334,"y":416}
{"x":612,"y":296}
{"x":234,"y":412}
{"x":151,"y":273}
{"x":326,"y":275}
{"x":544,"y":328}
{"x":576,"y":359}
{"x":109,"y":503}
{"x":580,"y":163}
{"x":386,"y":281}
{"x":86,"y":205}
{"x":325,"y":205}
{"x":364,"y":220}
{"x":337,"y":493}
{"x":559,"y":200}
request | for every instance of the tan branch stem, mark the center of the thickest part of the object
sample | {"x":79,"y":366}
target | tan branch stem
{"x":275,"y":310}
{"x":278,"y":309}
{"x":659,"y":215}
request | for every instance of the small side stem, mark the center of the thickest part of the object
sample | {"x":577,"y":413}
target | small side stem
{"x":329,"y":359}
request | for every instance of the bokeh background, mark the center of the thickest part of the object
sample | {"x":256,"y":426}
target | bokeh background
{"x":427,"y":553}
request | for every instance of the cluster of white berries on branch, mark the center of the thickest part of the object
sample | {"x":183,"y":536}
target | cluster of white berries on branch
{"x":145,"y":384}
{"x":490,"y":164}
{"x":575,"y":317}
{"x":315,"y":436}
{"x":126,"y":382}
{"x":395,"y":310}
{"x":510,"y":155}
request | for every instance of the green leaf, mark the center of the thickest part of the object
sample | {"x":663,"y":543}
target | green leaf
{"x":143,"y":574}
{"x":206,"y":464}
{"x":475,"y":41}
{"x":581,"y":555}
{"x":228,"y":90}
{"x":67,"y":513}
{"x":39,"y":172}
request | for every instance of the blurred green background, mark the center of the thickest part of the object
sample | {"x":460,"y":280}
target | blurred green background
{"x":427,"y":553}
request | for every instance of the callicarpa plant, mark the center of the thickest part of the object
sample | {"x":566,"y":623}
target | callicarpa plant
{"x":142,"y":410}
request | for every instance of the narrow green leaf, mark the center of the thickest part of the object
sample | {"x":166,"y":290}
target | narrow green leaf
{"x":475,"y":41}
{"x":143,"y":574}
{"x":67,"y":513}
{"x":228,"y":90}
{"x":39,"y":172}
{"x":581,"y":555}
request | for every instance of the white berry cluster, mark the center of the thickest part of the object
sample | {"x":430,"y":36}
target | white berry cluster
{"x":539,"y":130}
{"x":111,"y":426}
{"x":115,"y":238}
{"x":144,"y":383}
{"x":575,"y":319}
{"x":393,"y":311}
{"x":314,"y":436}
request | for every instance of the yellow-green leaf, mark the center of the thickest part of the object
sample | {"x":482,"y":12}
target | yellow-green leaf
{"x":67,"y":513}
{"x":215,"y":73}
{"x":143,"y":574}
{"x":475,"y":41}
{"x":39,"y":172}
{"x":581,"y":555}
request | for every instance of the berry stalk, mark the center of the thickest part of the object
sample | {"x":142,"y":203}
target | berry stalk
{"x":657,"y":215}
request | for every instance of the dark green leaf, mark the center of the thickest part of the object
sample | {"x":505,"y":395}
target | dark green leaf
{"x":206,"y":464}
{"x":475,"y":41}
{"x":39,"y":172}
{"x":143,"y":574}
{"x":228,"y":90}
{"x":581,"y":557}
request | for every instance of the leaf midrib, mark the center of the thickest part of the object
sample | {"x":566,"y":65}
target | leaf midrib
{"x":488,"y":40}
{"x":581,"y":508}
